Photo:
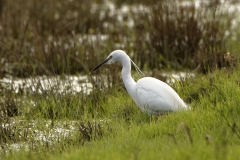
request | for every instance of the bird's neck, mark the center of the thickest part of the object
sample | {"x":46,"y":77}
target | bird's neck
{"x":126,"y":75}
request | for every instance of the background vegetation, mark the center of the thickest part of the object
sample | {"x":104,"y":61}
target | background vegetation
{"x":56,"y":37}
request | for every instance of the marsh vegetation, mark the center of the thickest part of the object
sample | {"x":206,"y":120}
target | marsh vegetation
{"x":50,"y":109}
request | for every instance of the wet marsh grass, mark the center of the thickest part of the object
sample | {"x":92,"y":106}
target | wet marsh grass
{"x":209,"y":131}
{"x":50,"y":39}
{"x":110,"y":125}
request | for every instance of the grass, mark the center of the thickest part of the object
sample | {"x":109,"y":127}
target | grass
{"x":106,"y":124}
{"x":69,"y":34}
{"x":114,"y":128}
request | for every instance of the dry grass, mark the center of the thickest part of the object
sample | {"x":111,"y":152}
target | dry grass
{"x":56,"y":37}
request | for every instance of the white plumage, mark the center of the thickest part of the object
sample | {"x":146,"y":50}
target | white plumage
{"x":150,"y":94}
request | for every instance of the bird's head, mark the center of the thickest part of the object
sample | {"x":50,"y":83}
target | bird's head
{"x":115,"y":56}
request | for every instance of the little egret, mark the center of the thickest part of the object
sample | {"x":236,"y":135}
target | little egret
{"x":150,"y":94}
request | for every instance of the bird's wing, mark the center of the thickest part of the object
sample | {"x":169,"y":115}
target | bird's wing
{"x":156,"y":95}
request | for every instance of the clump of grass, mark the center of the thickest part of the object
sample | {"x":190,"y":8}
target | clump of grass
{"x":41,"y":32}
{"x":183,"y":35}
{"x":8,"y":134}
{"x":9,"y":101}
{"x":90,"y":131}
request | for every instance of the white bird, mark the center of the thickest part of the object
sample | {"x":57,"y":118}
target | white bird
{"x":150,"y":94}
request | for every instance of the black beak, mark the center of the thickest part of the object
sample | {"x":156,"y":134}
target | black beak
{"x":105,"y":61}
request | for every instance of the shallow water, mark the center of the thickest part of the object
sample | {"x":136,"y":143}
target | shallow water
{"x":68,"y":83}
{"x":36,"y":131}
{"x":40,"y":84}
{"x":42,"y":133}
